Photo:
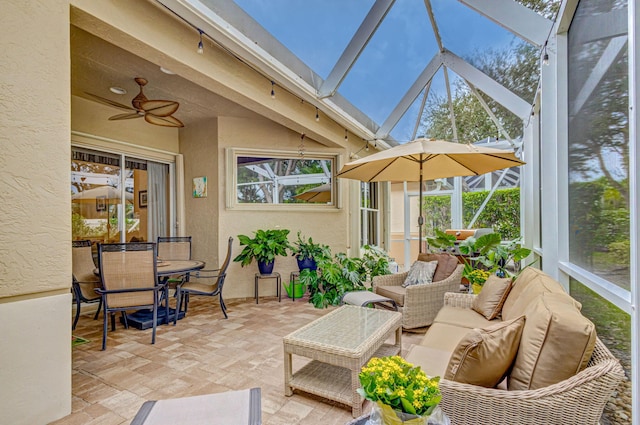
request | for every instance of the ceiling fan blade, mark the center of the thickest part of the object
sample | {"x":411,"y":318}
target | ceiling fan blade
{"x":128,"y":116}
{"x":160,"y":108}
{"x":108,"y":102}
{"x":163,"y":121}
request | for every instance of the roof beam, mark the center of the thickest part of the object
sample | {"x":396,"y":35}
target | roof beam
{"x":221,"y":21}
{"x":421,"y":111}
{"x":452,"y":113}
{"x":414,"y":91}
{"x":351,"y":53}
{"x":609,"y":57}
{"x":601,"y":26}
{"x":489,"y":112}
{"x":482,"y":81}
{"x":515,"y":18}
{"x":434,"y":24}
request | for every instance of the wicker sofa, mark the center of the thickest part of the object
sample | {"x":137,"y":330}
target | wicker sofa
{"x":420,"y":303}
{"x":561,"y":373}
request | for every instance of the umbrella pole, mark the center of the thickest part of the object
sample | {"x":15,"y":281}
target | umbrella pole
{"x":420,"y":218}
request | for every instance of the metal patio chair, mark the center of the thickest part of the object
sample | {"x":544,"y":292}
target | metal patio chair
{"x":130,"y":281}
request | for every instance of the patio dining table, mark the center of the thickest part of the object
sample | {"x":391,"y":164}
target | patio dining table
{"x":165,"y":269}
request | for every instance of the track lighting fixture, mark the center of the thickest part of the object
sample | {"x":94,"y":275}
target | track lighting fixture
{"x":200,"y":45}
{"x":346,"y":135}
{"x":317,"y":115}
{"x":273,"y":91}
{"x":545,"y":56}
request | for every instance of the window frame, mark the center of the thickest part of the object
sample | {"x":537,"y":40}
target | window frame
{"x":231,"y":180}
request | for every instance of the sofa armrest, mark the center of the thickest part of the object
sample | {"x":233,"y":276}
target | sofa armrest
{"x":458,"y":299}
{"x":577,"y":400}
{"x":389,"y":280}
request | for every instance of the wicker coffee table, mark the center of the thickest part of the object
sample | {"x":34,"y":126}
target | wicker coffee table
{"x":340,"y":343}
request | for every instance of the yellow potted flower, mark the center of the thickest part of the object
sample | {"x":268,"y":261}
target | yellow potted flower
{"x":477,"y":278}
{"x":403,"y":393}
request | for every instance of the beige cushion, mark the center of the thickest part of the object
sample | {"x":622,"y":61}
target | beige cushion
{"x":432,"y":361}
{"x":557,"y":342}
{"x":444,"y":337}
{"x":463,"y":317}
{"x":527,"y":286}
{"x":484,"y":356}
{"x":420,"y":272}
{"x":395,"y":292}
{"x":447,"y":263}
{"x":490,"y":300}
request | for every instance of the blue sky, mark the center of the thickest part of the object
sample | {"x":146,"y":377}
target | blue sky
{"x":318,"y":31}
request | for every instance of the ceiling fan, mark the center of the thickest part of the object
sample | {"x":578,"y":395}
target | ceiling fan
{"x":158,"y":112}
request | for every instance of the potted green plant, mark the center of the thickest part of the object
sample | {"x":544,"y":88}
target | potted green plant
{"x":489,"y":253}
{"x":307,"y":252}
{"x":265,"y":246}
{"x":340,"y":274}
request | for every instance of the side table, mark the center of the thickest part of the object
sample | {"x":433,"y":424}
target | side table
{"x":274,"y":275}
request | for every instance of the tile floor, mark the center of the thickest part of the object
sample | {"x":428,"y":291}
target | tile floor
{"x":203,"y":354}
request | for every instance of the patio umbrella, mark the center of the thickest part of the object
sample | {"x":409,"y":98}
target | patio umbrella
{"x":425,"y":159}
{"x":106,"y":192}
{"x":320,"y":194}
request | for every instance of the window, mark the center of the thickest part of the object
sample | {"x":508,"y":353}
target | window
{"x":281,"y":179}
{"x":106,"y":210}
{"x":370,"y":214}
{"x":599,"y":141}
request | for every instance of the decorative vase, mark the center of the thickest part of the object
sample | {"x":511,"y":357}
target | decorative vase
{"x":476,"y":288}
{"x":387,"y":415}
{"x":306,"y":263}
{"x":265,"y":268}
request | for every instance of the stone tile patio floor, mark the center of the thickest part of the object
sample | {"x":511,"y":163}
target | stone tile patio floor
{"x":203,"y":354}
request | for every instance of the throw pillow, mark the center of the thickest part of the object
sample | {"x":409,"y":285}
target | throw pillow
{"x":490,"y":300}
{"x":557,"y":342}
{"x":420,"y":272}
{"x":447,"y":263}
{"x":484,"y":356}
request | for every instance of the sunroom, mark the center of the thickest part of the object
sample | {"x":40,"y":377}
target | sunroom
{"x":254,"y":90}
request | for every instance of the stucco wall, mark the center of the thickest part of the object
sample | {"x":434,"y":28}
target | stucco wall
{"x":199,"y":146}
{"x":35,"y":263}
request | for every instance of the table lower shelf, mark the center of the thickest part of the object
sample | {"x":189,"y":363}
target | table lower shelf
{"x":333,"y":382}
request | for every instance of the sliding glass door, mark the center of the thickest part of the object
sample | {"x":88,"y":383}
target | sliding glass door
{"x":112,"y":203}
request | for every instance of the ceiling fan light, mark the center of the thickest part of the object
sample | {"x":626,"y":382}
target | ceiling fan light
{"x":117,"y":90}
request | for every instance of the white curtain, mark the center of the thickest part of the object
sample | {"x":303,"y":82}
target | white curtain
{"x":157,"y":200}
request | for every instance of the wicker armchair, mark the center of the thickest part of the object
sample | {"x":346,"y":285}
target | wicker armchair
{"x":577,"y":400}
{"x":421,"y":302}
